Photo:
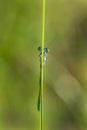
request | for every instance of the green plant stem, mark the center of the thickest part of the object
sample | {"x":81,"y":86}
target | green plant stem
{"x":42,"y":62}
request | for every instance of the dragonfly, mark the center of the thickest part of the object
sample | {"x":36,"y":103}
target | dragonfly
{"x":46,"y":50}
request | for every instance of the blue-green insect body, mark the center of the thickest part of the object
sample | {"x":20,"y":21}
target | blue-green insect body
{"x":46,"y":50}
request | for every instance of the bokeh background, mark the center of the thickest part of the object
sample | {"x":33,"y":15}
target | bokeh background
{"x":65,"y":73}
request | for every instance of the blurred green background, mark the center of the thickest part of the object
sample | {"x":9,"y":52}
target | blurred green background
{"x":65,"y":73}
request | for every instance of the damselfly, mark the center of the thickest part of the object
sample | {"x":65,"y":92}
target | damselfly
{"x":46,"y":50}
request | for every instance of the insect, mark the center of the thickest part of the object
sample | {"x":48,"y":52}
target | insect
{"x":46,"y":50}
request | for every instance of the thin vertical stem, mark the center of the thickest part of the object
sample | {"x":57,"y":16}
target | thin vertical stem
{"x":42,"y":62}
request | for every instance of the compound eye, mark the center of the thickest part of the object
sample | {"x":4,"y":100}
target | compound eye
{"x":46,"y":49}
{"x":39,"y":48}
